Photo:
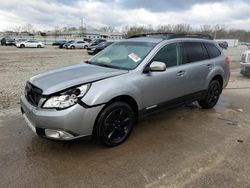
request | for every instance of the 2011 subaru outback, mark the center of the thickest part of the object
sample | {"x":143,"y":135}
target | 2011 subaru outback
{"x":129,"y":79}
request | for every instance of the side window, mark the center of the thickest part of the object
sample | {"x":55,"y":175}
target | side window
{"x":169,"y":54}
{"x":193,"y":52}
{"x":213,"y":51}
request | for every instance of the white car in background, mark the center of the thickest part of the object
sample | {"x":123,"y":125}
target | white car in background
{"x":78,"y":45}
{"x":30,"y":44}
{"x":245,"y":63}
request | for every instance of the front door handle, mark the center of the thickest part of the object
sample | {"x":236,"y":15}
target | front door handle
{"x":181,"y":73}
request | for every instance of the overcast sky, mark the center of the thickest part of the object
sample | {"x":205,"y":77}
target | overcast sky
{"x":46,"y":14}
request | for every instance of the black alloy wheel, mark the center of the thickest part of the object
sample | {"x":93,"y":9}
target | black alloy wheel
{"x":212,"y":95}
{"x":115,"y":123}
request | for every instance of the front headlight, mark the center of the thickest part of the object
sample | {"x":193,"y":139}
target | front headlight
{"x":67,"y":98}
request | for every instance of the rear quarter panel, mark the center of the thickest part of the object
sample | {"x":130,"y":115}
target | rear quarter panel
{"x":220,"y":68}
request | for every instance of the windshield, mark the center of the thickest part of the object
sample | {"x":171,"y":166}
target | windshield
{"x":123,"y":55}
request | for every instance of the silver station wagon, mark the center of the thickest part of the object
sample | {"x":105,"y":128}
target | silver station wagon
{"x":105,"y":96}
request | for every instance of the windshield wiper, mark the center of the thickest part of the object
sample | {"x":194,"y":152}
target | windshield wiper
{"x":106,"y":65}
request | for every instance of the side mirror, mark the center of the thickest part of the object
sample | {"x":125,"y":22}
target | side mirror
{"x":156,"y":66}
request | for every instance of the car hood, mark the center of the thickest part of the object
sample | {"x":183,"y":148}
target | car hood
{"x":59,"y":79}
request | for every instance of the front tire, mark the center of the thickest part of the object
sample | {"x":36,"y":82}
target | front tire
{"x":72,"y":47}
{"x":212,"y":95}
{"x":39,"y":46}
{"x":22,"y":46}
{"x":115,"y":123}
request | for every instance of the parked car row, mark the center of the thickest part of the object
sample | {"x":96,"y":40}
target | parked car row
{"x":21,"y":43}
{"x":93,"y":47}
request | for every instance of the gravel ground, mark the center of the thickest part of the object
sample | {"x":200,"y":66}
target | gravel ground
{"x":18,"y":65}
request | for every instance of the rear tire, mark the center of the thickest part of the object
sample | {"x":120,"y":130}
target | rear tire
{"x":115,"y":123}
{"x":212,"y":95}
{"x":72,"y":47}
{"x":22,"y":46}
{"x":39,"y":46}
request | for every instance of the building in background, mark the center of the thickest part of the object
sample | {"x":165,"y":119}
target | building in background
{"x":49,"y":37}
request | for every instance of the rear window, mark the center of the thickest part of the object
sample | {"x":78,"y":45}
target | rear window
{"x":213,"y":51}
{"x":193,"y":52}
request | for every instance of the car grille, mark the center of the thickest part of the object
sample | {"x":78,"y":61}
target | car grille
{"x":243,"y":58}
{"x":247,"y":69}
{"x":33,"y":94}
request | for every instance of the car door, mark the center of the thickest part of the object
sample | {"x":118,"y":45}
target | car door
{"x":28,"y":43}
{"x":33,"y":44}
{"x":158,"y":88}
{"x":77,"y":44}
{"x":196,"y":65}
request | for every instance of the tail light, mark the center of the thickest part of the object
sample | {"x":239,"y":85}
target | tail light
{"x":227,"y":61}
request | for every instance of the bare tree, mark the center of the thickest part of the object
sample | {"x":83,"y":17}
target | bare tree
{"x":182,"y":28}
{"x":109,"y":29}
{"x":17,"y":29}
{"x":28,"y":28}
{"x":165,"y":29}
{"x":206,"y":29}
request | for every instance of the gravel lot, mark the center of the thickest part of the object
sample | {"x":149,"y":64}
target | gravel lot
{"x":18,"y":65}
{"x":182,"y":147}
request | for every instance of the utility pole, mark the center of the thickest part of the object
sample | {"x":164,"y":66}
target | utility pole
{"x":82,"y":27}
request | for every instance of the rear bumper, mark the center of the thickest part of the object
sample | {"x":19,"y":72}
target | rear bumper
{"x":76,"y":121}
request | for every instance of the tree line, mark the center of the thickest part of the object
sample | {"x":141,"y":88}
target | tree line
{"x":217,"y":31}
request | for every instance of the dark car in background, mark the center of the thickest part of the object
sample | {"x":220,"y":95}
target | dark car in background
{"x":96,"y":42}
{"x":59,"y":42}
{"x":87,"y":40}
{"x":92,"y":50}
{"x":7,"y":41}
{"x":223,"y":45}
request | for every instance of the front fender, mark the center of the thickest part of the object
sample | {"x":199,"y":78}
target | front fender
{"x":105,"y":90}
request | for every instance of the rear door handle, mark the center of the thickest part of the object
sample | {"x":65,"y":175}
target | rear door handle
{"x":181,"y":73}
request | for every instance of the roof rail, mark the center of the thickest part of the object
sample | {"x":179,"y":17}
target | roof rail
{"x":175,"y":35}
{"x":148,"y":34}
{"x":191,"y":35}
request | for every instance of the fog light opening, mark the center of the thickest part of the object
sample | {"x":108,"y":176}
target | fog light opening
{"x":58,"y":134}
